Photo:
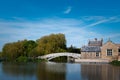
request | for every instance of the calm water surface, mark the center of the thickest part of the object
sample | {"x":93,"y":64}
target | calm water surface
{"x":58,"y":71}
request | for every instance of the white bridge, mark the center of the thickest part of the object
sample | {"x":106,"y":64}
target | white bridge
{"x":54,"y":55}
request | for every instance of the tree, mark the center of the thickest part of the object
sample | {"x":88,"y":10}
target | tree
{"x":51,"y":44}
{"x":28,"y":47}
{"x":73,"y":49}
{"x":0,"y":55}
{"x":13,"y":50}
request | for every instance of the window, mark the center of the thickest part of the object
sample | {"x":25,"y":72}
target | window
{"x":109,"y":52}
{"x":97,"y":54}
{"x":118,"y":50}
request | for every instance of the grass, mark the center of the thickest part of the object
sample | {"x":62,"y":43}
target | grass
{"x":115,"y":62}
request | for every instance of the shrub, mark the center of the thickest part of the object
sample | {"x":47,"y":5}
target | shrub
{"x":115,"y":62}
{"x":22,"y":59}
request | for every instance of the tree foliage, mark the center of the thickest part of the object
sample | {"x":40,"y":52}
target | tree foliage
{"x":51,"y":44}
{"x":28,"y":48}
{"x":0,"y":55}
{"x":73,"y":49}
{"x":11,"y":51}
{"x":19,"y":50}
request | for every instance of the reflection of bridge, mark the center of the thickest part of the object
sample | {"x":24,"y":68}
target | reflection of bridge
{"x":54,"y":55}
{"x":55,"y":67}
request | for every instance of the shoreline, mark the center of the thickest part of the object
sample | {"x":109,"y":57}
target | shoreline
{"x":92,"y":61}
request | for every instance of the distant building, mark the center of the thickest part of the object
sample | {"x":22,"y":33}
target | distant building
{"x":92,"y":50}
{"x":97,"y":50}
{"x":110,"y":51}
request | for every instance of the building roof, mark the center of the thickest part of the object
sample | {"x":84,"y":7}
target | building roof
{"x":95,"y":42}
{"x":90,"y":49}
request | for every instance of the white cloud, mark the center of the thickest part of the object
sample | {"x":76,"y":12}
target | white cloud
{"x":68,"y":10}
{"x":36,"y":29}
{"x":111,"y":19}
{"x":73,"y":29}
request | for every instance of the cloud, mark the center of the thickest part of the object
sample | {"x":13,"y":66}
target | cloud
{"x":111,"y":19}
{"x":68,"y":10}
{"x":73,"y":29}
{"x":19,"y":30}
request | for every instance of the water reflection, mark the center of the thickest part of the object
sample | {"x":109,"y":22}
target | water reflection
{"x":41,"y":71}
{"x":100,"y":72}
{"x":73,"y":72}
{"x":18,"y":71}
{"x":51,"y":71}
{"x":58,"y":71}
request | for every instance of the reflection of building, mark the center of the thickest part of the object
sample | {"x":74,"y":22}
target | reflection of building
{"x":99,"y":72}
{"x":97,"y":50}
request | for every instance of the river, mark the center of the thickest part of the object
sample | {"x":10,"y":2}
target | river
{"x":58,"y":71}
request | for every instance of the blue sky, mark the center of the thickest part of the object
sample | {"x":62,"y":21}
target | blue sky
{"x":79,"y":20}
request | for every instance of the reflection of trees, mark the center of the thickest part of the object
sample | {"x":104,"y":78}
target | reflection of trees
{"x":18,"y":69}
{"x":100,"y":72}
{"x":43,"y":71}
{"x":51,"y":72}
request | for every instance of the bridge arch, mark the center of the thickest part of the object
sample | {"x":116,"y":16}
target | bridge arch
{"x":54,"y":55}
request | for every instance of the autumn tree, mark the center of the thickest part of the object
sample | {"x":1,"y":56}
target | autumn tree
{"x":0,"y":55}
{"x":28,"y":48}
{"x":11,"y":51}
{"x":51,"y":44}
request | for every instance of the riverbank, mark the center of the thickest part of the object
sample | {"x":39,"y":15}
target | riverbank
{"x":115,"y":62}
{"x":91,"y":61}
{"x":100,"y":61}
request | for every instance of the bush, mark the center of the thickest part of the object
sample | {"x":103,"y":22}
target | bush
{"x":22,"y":59}
{"x":115,"y":62}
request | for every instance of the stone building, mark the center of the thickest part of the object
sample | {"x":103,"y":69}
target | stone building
{"x":92,"y":50}
{"x":97,"y":50}
{"x":110,"y":51}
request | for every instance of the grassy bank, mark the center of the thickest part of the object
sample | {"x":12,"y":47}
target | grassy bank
{"x":115,"y":62}
{"x":24,"y":59}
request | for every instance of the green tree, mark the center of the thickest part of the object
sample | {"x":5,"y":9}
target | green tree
{"x":13,"y":50}
{"x":51,"y":44}
{"x":0,"y":55}
{"x":28,"y":47}
{"x":73,"y":49}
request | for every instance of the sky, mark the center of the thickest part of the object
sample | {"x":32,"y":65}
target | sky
{"x":79,"y":20}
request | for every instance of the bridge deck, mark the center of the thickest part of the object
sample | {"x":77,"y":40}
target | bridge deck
{"x":54,"y":55}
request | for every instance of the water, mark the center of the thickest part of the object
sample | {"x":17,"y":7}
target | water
{"x":58,"y":71}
